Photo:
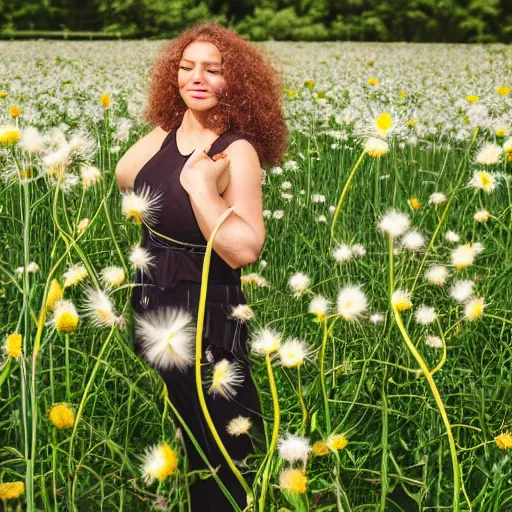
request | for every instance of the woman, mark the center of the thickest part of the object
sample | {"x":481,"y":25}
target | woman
{"x":211,"y":92}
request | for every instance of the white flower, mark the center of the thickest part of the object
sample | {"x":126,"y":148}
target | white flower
{"x":483,"y":180}
{"x":31,"y":140}
{"x":267,"y":213}
{"x":489,"y":154}
{"x":293,"y":352}
{"x":82,"y":225}
{"x":342,"y":253}
{"x":168,"y":337}
{"x":358,"y":250}
{"x":266,"y":341}
{"x":376,"y":147}
{"x":451,"y":236}
{"x":463,"y":256}
{"x":376,"y":318}
{"x":474,"y":309}
{"x":425,"y":315}
{"x":436,"y":274}
{"x":74,"y":274}
{"x":294,"y":448}
{"x":90,"y":175}
{"x":352,"y":302}
{"x":298,"y":283}
{"x":239,"y":426}
{"x":286,"y":196}
{"x":321,"y":218}
{"x":437,"y":198}
{"x":100,"y":309}
{"x":33,"y":267}
{"x":141,"y":258}
{"x":159,"y":462}
{"x":462,"y":290}
{"x":433,"y":341}
{"x":318,"y":198}
{"x":278,"y":214}
{"x":286,"y":185}
{"x":112,"y":276}
{"x":226,"y":377}
{"x":319,"y":306}
{"x":401,"y":299}
{"x":481,"y":216}
{"x":242,"y":312}
{"x":142,"y":207}
{"x":394,"y":223}
{"x":413,"y":240}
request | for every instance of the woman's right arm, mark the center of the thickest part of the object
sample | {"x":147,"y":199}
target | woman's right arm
{"x":137,"y":155}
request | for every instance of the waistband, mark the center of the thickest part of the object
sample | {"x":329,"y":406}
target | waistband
{"x":222,"y":293}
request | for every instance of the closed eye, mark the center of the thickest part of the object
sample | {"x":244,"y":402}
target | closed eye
{"x":186,"y":69}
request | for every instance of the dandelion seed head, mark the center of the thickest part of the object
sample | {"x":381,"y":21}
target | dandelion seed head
{"x":239,"y":426}
{"x":294,"y":448}
{"x":352,"y":302}
{"x":160,"y":461}
{"x":436,"y":274}
{"x":394,"y":223}
{"x":425,"y":315}
{"x":227,"y":376}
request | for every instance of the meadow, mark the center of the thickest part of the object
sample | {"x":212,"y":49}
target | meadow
{"x":380,"y":311}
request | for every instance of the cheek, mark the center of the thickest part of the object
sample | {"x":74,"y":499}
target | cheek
{"x":218,"y":85}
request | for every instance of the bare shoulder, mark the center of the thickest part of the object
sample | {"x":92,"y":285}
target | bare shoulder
{"x":137,"y":156}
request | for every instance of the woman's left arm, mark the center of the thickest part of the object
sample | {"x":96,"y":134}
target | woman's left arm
{"x":241,"y":236}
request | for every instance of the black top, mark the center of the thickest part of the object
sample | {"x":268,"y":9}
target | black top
{"x":175,"y":219}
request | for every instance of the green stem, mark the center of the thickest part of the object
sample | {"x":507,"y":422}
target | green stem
{"x":322,"y":379}
{"x":275,"y":434}
{"x":301,"y":401}
{"x":344,"y":193}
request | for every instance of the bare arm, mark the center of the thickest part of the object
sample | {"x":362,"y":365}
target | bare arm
{"x":137,"y":155}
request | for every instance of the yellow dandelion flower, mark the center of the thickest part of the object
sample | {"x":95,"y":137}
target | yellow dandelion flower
{"x":66,"y":317}
{"x":504,"y":441}
{"x":15,"y":111}
{"x":402,"y":94}
{"x":336,"y":442}
{"x":411,"y":122}
{"x":372,"y":81}
{"x":414,"y":202}
{"x":54,"y":294}
{"x":289,"y":92}
{"x":474,"y":309}
{"x":503,"y":91}
{"x":473,"y":99}
{"x":13,"y":345}
{"x":309,"y":84}
{"x":105,"y":101}
{"x":293,"y":480}
{"x":160,"y":462}
{"x":502,"y":132}
{"x":320,"y":449}
{"x":61,"y":416}
{"x":384,"y":122}
{"x":9,"y":135}
{"x":3,"y":94}
{"x":401,"y":300}
{"x":11,"y":490}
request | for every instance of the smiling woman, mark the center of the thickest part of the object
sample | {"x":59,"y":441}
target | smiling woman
{"x":211,"y":93}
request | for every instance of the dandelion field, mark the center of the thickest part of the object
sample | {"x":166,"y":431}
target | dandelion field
{"x":381,"y":336}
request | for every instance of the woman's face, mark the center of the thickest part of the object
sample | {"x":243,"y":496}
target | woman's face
{"x":201,"y":68}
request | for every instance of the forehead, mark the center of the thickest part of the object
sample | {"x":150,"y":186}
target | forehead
{"x":202,"y":52}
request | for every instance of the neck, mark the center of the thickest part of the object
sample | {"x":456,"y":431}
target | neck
{"x":199,"y":123}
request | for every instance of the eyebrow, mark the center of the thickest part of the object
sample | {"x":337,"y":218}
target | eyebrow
{"x":215,"y":63}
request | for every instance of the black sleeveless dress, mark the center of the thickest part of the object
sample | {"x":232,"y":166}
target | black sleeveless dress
{"x":174,"y":281}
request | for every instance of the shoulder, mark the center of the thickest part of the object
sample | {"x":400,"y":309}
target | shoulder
{"x":241,"y":148}
{"x":137,"y":156}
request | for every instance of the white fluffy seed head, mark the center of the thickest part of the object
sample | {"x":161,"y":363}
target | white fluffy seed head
{"x":451,"y":236}
{"x":462,"y":290}
{"x":319,"y":306}
{"x":239,"y":426}
{"x":437,"y":198}
{"x":436,"y":274}
{"x":142,"y":205}
{"x":394,"y":223}
{"x":141,"y":258}
{"x":293,"y":352}
{"x":489,"y":154}
{"x":425,"y":315}
{"x":242,"y":312}
{"x":433,"y":341}
{"x":112,"y":276}
{"x":463,"y":256}
{"x":299,"y":283}
{"x":352,"y":302}
{"x":401,"y":299}
{"x":294,"y":448}
{"x":376,"y":318}
{"x":266,"y":342}
{"x":167,"y":337}
{"x":413,"y":240}
{"x":342,"y":253}
{"x":100,"y":309}
{"x":227,"y":376}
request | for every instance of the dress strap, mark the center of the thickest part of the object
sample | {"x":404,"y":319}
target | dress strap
{"x":223,"y":141}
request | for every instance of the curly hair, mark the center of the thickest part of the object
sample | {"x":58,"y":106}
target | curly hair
{"x":251,"y":102}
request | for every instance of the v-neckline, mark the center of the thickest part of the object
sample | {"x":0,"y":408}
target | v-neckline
{"x":175,"y":141}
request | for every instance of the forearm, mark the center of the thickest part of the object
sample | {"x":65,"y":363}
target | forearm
{"x":235,"y":242}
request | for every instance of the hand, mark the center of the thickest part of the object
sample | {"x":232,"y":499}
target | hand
{"x":201,"y":170}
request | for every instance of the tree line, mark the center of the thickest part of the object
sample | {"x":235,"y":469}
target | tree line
{"x":449,"y":21}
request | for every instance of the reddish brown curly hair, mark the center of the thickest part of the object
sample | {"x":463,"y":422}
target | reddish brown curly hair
{"x":251,"y":102}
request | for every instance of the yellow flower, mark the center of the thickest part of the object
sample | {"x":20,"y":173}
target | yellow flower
{"x":293,"y":480}
{"x":320,"y":449}
{"x":15,"y":111}
{"x":105,"y":101}
{"x":9,"y":135}
{"x":503,"y":91}
{"x":13,"y":345}
{"x":3,"y":94}
{"x":11,"y":490}
{"x":402,"y":94}
{"x":501,"y":132}
{"x":160,"y":462}
{"x":61,"y":416}
{"x":384,"y":123}
{"x":290,"y":92}
{"x":473,"y":99}
{"x":401,"y":300}
{"x":336,"y":442}
{"x":309,"y":84}
{"x":66,"y":317}
{"x":411,"y":122}
{"x":415,"y":203}
{"x":474,"y":309}
{"x":372,"y":81}
{"x":504,"y":441}
{"x":54,"y":294}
